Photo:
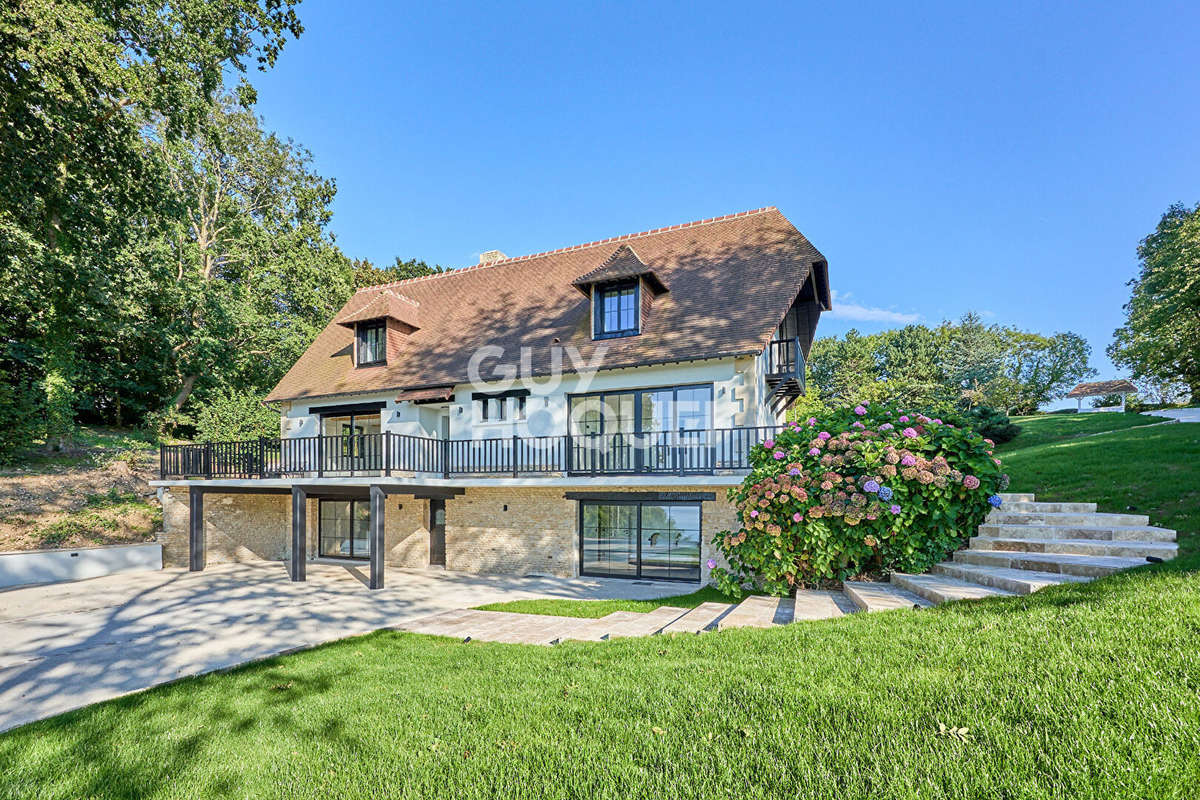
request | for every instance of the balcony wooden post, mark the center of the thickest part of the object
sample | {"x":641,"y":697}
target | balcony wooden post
{"x":195,"y":529}
{"x":376,"y":541}
{"x":515,"y":444}
{"x":299,"y":533}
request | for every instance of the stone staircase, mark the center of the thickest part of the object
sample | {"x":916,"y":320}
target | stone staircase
{"x":1026,"y":545}
{"x":1023,"y":546}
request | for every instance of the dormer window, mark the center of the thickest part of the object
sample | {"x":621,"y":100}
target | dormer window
{"x":370,"y":343}
{"x":615,"y":312}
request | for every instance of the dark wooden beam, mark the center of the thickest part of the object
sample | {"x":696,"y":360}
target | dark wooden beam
{"x":240,"y":489}
{"x":642,"y":497}
{"x":299,"y":533}
{"x":195,"y":529}
{"x":375,"y":548}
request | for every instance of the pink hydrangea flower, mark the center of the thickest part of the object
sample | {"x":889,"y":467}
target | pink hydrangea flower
{"x":908,"y":460}
{"x":769,"y":443}
{"x":816,"y":451}
{"x":712,"y":563}
{"x":797,"y":517}
{"x":909,"y":433}
{"x":860,"y":410}
{"x":895,"y":509}
{"x":970,"y":482}
{"x":754,"y":513}
{"x":780,"y":455}
{"x":903,"y":418}
{"x":824,"y":436}
{"x":887,"y":426}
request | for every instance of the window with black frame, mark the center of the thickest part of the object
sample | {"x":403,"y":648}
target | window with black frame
{"x":615,"y":312}
{"x":658,"y":540}
{"x":666,"y":429}
{"x":343,"y":528}
{"x":371,"y":344}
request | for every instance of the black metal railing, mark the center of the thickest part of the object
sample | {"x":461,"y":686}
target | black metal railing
{"x":680,"y":452}
{"x":785,"y":357}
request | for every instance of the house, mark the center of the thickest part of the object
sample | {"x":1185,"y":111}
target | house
{"x":576,"y":412}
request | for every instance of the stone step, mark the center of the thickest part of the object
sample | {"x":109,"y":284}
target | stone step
{"x":1058,"y":563}
{"x":872,"y":596}
{"x":1017,"y":497}
{"x":647,"y":624}
{"x":1017,"y":581}
{"x":1047,"y":507}
{"x":820,"y":604}
{"x":1113,"y":533}
{"x":1002,"y":517}
{"x":943,"y":588}
{"x":701,"y":618}
{"x":758,"y":612}
{"x":600,"y":629}
{"x":1080,"y":547}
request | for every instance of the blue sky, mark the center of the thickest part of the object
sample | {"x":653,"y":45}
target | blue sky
{"x":944,"y":157}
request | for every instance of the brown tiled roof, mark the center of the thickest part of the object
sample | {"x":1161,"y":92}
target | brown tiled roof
{"x":380,"y":305}
{"x":623,"y":263}
{"x":1102,"y":388}
{"x":731,"y":281}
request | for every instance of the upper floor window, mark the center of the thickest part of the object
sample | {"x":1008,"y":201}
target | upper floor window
{"x":615,"y":312}
{"x":492,"y":409}
{"x":371,"y":343}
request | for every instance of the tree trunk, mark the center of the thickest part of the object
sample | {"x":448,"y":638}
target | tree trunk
{"x":185,"y":392}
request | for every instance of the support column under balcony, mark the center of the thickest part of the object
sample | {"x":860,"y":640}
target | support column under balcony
{"x":299,"y":533}
{"x":376,"y":541}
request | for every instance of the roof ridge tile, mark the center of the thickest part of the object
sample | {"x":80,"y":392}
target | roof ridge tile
{"x":570,"y":248}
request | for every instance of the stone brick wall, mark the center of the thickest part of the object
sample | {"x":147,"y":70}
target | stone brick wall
{"x":237,"y":527}
{"x":502,"y":530}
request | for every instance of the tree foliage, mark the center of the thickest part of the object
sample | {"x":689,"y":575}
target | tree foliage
{"x":953,"y":366}
{"x":1160,"y":340}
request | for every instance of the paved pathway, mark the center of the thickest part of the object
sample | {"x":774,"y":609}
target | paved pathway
{"x":68,"y":645}
{"x":1181,"y":414}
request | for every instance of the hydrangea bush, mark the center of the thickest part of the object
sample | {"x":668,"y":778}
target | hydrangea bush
{"x":868,"y":488}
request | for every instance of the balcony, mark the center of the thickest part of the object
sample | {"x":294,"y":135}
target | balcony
{"x":784,"y":371}
{"x":682,"y":452}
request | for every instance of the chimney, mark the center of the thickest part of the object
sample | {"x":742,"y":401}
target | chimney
{"x":488,"y":256}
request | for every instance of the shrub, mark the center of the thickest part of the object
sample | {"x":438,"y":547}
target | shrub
{"x":991,"y":423}
{"x":864,"y":488}
{"x":228,"y":415}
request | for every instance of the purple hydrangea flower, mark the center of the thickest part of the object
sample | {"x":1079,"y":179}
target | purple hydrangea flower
{"x":885,"y":493}
{"x":858,"y":425}
{"x":812,"y":421}
{"x":895,"y":509}
{"x":794,"y":471}
{"x":871,"y":486}
{"x":780,"y":455}
{"x":995,"y":500}
{"x":909,"y":433}
{"x":908,"y":460}
{"x":824,"y":436}
{"x":887,"y":426}
{"x":860,"y":410}
{"x":970,"y":482}
{"x":769,"y":443}
{"x":903,"y":418}
{"x":816,"y":451}
{"x":712,"y":563}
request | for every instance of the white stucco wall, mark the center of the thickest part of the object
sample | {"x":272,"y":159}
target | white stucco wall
{"x":737,"y":392}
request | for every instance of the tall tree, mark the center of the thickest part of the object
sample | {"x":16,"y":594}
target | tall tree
{"x":367,"y":274}
{"x":973,"y":357}
{"x":1159,"y":340}
{"x":79,"y":82}
{"x":1038,"y":369}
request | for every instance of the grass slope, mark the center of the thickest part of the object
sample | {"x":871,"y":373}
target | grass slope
{"x":1081,"y":690}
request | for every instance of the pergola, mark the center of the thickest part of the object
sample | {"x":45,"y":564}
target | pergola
{"x":1102,"y":388}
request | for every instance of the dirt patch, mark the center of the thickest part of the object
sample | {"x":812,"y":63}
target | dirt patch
{"x":78,"y":507}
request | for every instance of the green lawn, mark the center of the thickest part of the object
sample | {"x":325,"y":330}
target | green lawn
{"x":1078,"y":691}
{"x":1153,"y":471}
{"x":1081,"y":690}
{"x":600,"y":608}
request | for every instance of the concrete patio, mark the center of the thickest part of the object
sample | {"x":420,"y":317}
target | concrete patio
{"x":69,"y":645}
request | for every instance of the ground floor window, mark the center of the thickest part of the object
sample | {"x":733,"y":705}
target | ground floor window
{"x":656,"y":540}
{"x":343,"y":528}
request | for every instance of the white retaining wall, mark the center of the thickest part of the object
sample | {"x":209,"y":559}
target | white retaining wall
{"x":53,"y":566}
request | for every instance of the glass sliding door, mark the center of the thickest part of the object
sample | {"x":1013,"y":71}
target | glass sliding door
{"x":352,"y":442}
{"x":343,"y":528}
{"x":660,"y":541}
{"x":642,"y":430}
